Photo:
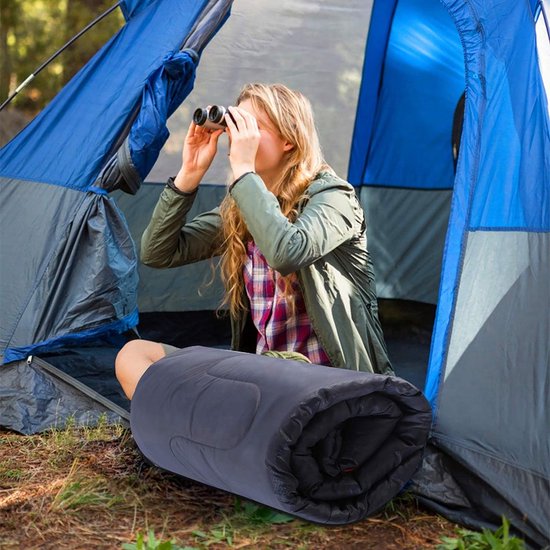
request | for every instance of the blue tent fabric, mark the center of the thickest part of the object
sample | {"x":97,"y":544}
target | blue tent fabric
{"x":488,"y":371}
{"x":102,"y":333}
{"x":80,"y":281}
{"x":164,"y":91}
{"x":503,"y":177}
{"x":404,"y":140}
{"x":377,"y":41}
{"x":69,"y":142}
{"x":422,"y":80}
{"x":132,"y":7}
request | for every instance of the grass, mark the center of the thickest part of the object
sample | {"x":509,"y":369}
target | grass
{"x":151,"y":543}
{"x":90,"y":488}
{"x":84,"y":493}
{"x":484,"y":540}
{"x":8,"y":473}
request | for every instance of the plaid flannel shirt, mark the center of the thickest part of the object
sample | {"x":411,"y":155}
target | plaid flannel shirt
{"x":277,"y":329}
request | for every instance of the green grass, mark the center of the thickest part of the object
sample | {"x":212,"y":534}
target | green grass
{"x":485,"y":540}
{"x":399,"y":506}
{"x":92,"y":482}
{"x":151,"y":543}
{"x":247,"y":520}
{"x":10,"y":474}
{"x":85,"y":494}
{"x":66,"y":441}
{"x":257,"y":514}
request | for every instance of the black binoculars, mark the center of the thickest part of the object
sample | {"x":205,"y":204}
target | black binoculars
{"x":213,"y":117}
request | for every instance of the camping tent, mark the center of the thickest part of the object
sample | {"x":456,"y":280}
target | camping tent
{"x":385,"y":114}
{"x":76,"y":283}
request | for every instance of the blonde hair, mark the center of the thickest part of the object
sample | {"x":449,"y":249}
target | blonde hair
{"x":292,"y":117}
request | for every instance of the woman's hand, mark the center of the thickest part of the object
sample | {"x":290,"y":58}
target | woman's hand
{"x":245,"y":140}
{"x":199,"y":150}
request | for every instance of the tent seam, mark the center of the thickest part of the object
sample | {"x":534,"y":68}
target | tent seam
{"x":480,"y":60}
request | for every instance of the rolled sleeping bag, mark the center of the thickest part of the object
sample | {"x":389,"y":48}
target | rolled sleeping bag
{"x":325,"y":444}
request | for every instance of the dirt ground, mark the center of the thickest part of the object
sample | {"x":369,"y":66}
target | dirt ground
{"x":90,"y":488}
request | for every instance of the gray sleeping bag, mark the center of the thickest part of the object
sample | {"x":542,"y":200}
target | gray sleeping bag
{"x":328,"y":445}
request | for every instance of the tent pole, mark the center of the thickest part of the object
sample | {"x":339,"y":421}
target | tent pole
{"x":30,"y":78}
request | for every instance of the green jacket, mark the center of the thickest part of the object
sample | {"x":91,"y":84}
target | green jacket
{"x":326,"y":246}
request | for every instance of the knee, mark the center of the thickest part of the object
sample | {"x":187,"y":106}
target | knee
{"x":124,"y":358}
{"x":136,"y":355}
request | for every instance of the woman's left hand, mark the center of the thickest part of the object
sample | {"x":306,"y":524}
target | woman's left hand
{"x":245,"y":140}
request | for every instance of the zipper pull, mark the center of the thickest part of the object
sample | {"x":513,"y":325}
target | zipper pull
{"x":29,"y":360}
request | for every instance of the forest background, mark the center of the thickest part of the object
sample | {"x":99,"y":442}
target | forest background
{"x":33,"y":30}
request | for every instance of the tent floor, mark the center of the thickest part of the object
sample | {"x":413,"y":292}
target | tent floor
{"x":93,"y":364}
{"x":409,"y":359}
{"x":407,"y":328}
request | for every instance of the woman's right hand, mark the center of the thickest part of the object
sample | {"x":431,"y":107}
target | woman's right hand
{"x":199,"y":150}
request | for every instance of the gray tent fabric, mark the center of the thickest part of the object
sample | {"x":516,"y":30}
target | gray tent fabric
{"x":189,"y":288}
{"x":407,"y":264}
{"x":74,"y":276}
{"x":453,"y":490}
{"x":328,"y":445}
{"x":33,"y":400}
{"x":406,"y":233}
{"x":494,"y":455}
{"x":502,"y":446}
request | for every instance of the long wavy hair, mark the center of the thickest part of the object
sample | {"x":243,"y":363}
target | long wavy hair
{"x":291,"y":116}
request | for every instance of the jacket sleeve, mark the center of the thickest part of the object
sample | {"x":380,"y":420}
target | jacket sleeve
{"x":329,"y":219}
{"x":168,"y":241}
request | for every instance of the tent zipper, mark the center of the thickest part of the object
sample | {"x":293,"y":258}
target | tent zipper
{"x":86,"y":390}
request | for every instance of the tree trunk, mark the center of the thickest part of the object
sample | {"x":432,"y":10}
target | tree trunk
{"x":8,"y":14}
{"x":79,"y":14}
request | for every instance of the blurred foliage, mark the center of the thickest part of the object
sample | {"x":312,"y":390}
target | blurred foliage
{"x":32,"y":30}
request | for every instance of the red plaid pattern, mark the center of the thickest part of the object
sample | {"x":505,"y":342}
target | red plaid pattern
{"x":277,"y":330}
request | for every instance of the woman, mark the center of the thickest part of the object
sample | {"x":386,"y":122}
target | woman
{"x":290,"y":233}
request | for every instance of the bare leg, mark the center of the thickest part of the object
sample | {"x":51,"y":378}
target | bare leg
{"x":133,"y":360}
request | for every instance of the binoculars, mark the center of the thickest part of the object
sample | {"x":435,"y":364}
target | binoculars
{"x":212,"y":117}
